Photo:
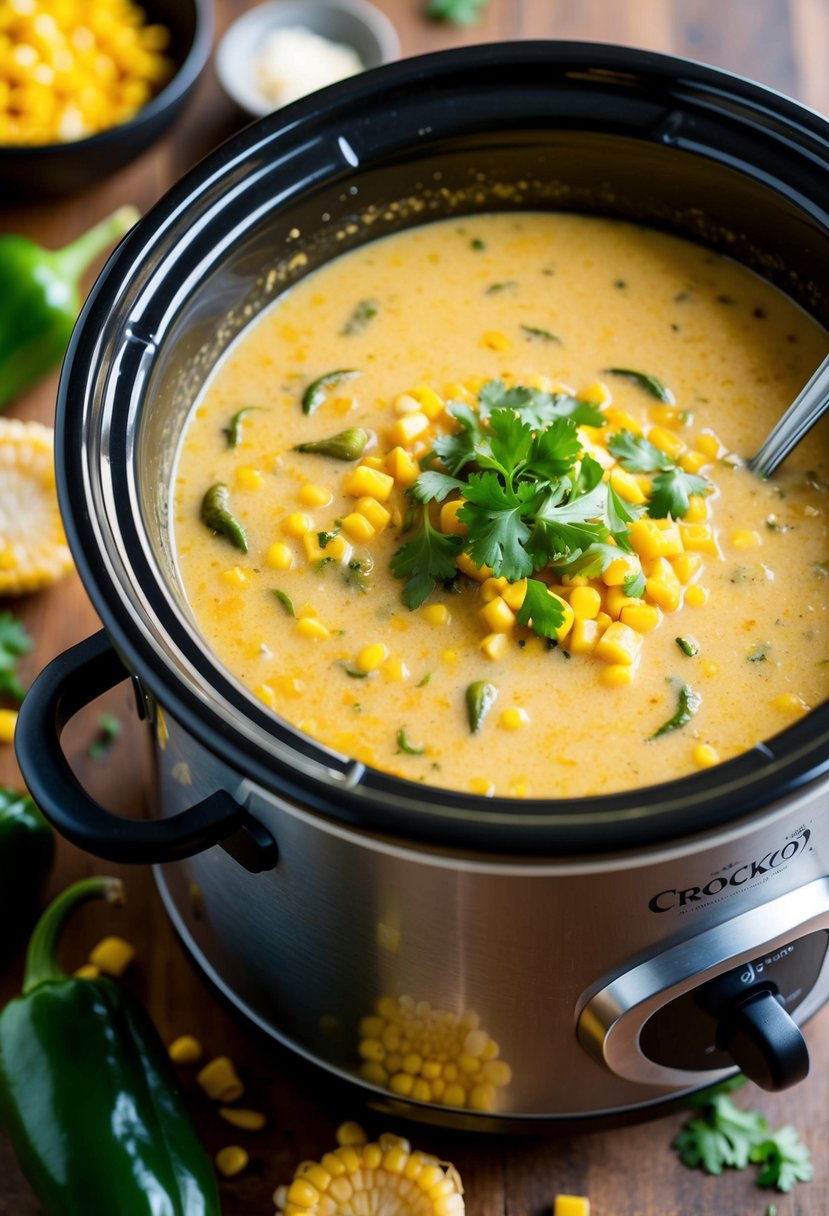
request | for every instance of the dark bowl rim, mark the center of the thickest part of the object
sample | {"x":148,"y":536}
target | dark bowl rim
{"x":687,"y":806}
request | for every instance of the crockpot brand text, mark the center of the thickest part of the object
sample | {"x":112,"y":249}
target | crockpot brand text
{"x":747,"y":872}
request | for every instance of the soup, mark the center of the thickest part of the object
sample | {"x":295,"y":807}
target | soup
{"x":469,"y":505}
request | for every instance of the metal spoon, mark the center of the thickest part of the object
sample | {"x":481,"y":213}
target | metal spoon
{"x":810,"y":405}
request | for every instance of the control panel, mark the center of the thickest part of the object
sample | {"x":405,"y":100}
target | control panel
{"x":732,"y":996}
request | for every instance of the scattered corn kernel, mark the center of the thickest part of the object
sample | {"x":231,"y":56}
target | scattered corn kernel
{"x":371,"y":657}
{"x":278,"y":556}
{"x":626,"y":486}
{"x":235,"y":576}
{"x":620,"y":568}
{"x":466,"y":566}
{"x":249,"y":478}
{"x":699,"y":538}
{"x":315,"y":496}
{"x":436,"y":614}
{"x":350,"y":1133}
{"x":641,"y":617}
{"x":692,"y":461}
{"x":231,"y":1160}
{"x":374,"y":511}
{"x":709,"y":445}
{"x":220,"y":1081}
{"x":615,"y":675}
{"x":496,"y":341}
{"x":449,"y":521}
{"x":697,"y":509}
{"x":358,"y":527}
{"x":297,"y":524}
{"x":704,"y":755}
{"x":745,"y":538}
{"x":655,"y":538}
{"x":666,"y":441}
{"x":583,"y":636}
{"x":367,"y":482}
{"x":498,"y":616}
{"x":619,"y":644}
{"x":266,"y":695}
{"x":308,"y":627}
{"x":186,"y":1049}
{"x":402,"y":467}
{"x":696,"y":596}
{"x":429,"y":401}
{"x":408,"y":428}
{"x":514,"y":594}
{"x":791,"y":703}
{"x":246,"y":1120}
{"x":495,"y":645}
{"x":513,"y":718}
{"x":112,"y":955}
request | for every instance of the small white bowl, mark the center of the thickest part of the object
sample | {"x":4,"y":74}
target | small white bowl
{"x":356,"y":23}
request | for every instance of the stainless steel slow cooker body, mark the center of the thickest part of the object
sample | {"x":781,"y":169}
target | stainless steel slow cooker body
{"x":620,"y":948}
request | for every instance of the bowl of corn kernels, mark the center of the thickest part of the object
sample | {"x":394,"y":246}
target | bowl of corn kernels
{"x":85,"y":87}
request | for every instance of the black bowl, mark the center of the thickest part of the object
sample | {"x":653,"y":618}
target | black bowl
{"x":48,"y":169}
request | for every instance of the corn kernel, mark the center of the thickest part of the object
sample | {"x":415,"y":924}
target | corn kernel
{"x":8,"y":722}
{"x":498,"y":616}
{"x":482,"y":785}
{"x":666,"y":415}
{"x":404,"y":403}
{"x":266,"y":695}
{"x":514,"y":594}
{"x":466,"y":566}
{"x":220,"y":1081}
{"x":402,"y":467}
{"x":492,"y":588}
{"x":408,"y":428}
{"x":112,"y":955}
{"x":745,"y":538}
{"x":619,"y":644}
{"x":375,"y":512}
{"x":666,"y":593}
{"x":709,"y":445}
{"x":231,"y":1160}
{"x":620,"y":568}
{"x":235,"y":576}
{"x":278,"y":556}
{"x":186,"y":1049}
{"x":641,"y":617}
{"x":698,"y":538}
{"x":603,"y":620}
{"x":430,"y":402}
{"x":297,"y":524}
{"x":620,"y":420}
{"x":496,"y":341}
{"x":371,"y":657}
{"x":307,"y":627}
{"x":436,"y":614}
{"x":303,"y":1193}
{"x":686,"y":566}
{"x":571,"y":1205}
{"x":655,"y":537}
{"x":248,"y":478}
{"x":791,"y":703}
{"x":449,"y":521}
{"x":704,"y":755}
{"x":315,"y":496}
{"x":246,"y":1120}
{"x":626,"y":486}
{"x":615,"y":600}
{"x":365,"y":481}
{"x":616,"y":675}
{"x":597,"y":393}
{"x":666,"y":441}
{"x":373,"y":462}
{"x":395,"y":669}
{"x":583,"y":636}
{"x":697,"y":509}
{"x":494,"y":645}
{"x":358,"y":527}
{"x":692,"y":461}
{"x":513,"y":718}
{"x":695,"y":597}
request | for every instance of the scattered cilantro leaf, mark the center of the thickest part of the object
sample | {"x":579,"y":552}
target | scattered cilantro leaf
{"x":671,"y":493}
{"x":592,"y":561}
{"x":14,"y":642}
{"x":638,"y":455}
{"x":649,"y":383}
{"x":457,"y":12}
{"x":425,"y":560}
{"x":109,"y":728}
{"x":365,"y":311}
{"x":458,"y":450}
{"x":541,"y":608}
{"x":433,"y":486}
{"x":688,"y":704}
{"x":634,"y":585}
{"x":619,"y":515}
{"x":497,"y":533}
{"x":785,"y":1160}
{"x":536,"y":407}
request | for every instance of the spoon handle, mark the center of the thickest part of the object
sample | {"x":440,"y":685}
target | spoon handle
{"x":810,"y":404}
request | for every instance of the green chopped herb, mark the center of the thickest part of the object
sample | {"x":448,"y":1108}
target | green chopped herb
{"x":422,"y":683}
{"x":217,"y":515}
{"x":495,"y":288}
{"x":776,"y":525}
{"x":233,"y":430}
{"x":688,"y":646}
{"x":365,"y":311}
{"x":456,"y":12}
{"x":314,"y":394}
{"x":649,"y":383}
{"x":324,"y":538}
{"x":345,"y":445}
{"x":15,"y":641}
{"x":427,"y":559}
{"x":689,"y":703}
{"x":357,"y":572}
{"x":672,"y":486}
{"x":540,"y":609}
{"x":477,"y":244}
{"x":534,"y":331}
{"x":411,"y":749}
{"x":620,"y":284}
{"x":480,"y":698}
{"x":759,"y":653}
{"x":285,"y":600}
{"x":634,"y":585}
{"x":109,"y":728}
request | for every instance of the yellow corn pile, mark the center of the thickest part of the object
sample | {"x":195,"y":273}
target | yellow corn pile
{"x":33,"y":549}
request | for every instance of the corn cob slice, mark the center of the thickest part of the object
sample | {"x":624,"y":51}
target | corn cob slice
{"x":33,"y":549}
{"x":385,"y":1178}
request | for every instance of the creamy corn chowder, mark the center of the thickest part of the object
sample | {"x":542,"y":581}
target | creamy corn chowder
{"x":469,"y":505}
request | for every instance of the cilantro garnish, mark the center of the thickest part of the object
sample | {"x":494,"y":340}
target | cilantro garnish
{"x":634,"y":585}
{"x":723,"y":1136}
{"x":540,"y":609}
{"x":14,"y":642}
{"x":672,"y":486}
{"x":424,"y":561}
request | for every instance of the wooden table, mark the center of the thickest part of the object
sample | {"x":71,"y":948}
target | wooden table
{"x":627,"y":1172}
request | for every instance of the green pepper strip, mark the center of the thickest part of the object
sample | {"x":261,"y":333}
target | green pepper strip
{"x":26,"y":851}
{"x":87,"y":1093}
{"x":217,"y":515}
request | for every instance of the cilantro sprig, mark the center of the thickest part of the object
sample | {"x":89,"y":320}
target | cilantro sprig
{"x":724,"y":1136}
{"x":15,"y":641}
{"x":425,"y":560}
{"x":672,"y":486}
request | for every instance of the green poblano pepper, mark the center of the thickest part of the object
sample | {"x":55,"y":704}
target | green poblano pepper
{"x":87,"y":1093}
{"x":40,"y":300}
{"x":26,"y":851}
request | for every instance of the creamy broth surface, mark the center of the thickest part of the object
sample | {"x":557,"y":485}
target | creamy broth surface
{"x":551,"y":302}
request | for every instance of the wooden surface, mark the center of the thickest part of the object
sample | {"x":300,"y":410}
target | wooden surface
{"x":626,"y":1172}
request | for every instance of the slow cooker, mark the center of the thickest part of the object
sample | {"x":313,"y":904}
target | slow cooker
{"x":619,"y":949}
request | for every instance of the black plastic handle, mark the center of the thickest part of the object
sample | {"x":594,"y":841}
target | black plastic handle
{"x":67,"y":685}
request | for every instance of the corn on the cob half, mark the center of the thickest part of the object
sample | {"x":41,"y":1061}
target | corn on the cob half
{"x":386,"y":1178}
{"x":33,"y":549}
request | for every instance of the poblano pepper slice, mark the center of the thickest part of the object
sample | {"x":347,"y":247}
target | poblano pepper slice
{"x":26,"y":851}
{"x":87,"y":1093}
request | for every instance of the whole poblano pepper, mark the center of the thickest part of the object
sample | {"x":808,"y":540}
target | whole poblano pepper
{"x":26,"y":851}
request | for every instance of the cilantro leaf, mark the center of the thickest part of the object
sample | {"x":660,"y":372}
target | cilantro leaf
{"x":592,"y":561}
{"x":459,"y":449}
{"x":509,"y":443}
{"x":589,"y":475}
{"x":433,"y":486}
{"x":541,"y":609}
{"x":785,"y":1160}
{"x":426,"y":560}
{"x":638,"y":455}
{"x":619,"y":515}
{"x":671,"y":492}
{"x":634,"y":585}
{"x":536,"y":407}
{"x":14,"y":642}
{"x":497,"y":533}
{"x":554,"y":450}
